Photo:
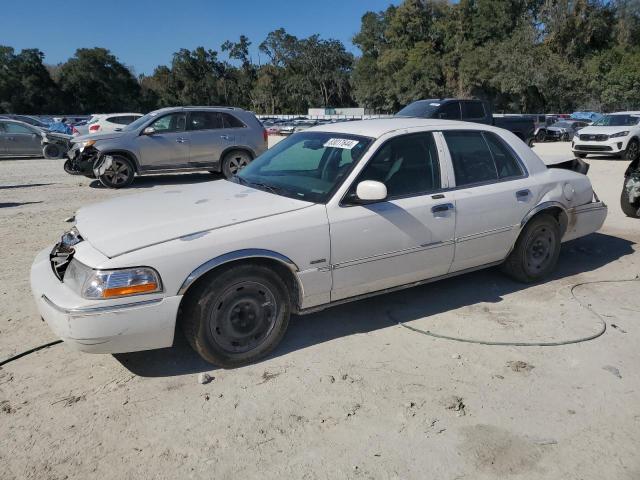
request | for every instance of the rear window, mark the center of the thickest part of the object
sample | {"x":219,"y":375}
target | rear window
{"x":229,"y":121}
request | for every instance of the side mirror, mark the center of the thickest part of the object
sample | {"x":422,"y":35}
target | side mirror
{"x":371,"y":191}
{"x":149,"y":131}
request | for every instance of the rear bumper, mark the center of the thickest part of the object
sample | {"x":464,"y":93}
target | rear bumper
{"x":129,"y":325}
{"x":585,"y":219}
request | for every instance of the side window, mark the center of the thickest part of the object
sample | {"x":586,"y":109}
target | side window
{"x":2,"y":127}
{"x":450,"y":111}
{"x":472,"y":110}
{"x":205,"y":121}
{"x":471,"y":157}
{"x":118,"y":120}
{"x":505,"y":160}
{"x":407,"y":165}
{"x":16,"y":128}
{"x":229,"y":121}
{"x":174,"y":122}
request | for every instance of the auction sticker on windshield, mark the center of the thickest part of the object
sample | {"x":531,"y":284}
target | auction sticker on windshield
{"x":341,"y":143}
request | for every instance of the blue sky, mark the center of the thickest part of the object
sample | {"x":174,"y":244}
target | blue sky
{"x":145,"y":33}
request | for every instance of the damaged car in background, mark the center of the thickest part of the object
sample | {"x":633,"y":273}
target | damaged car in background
{"x":19,"y":139}
{"x":333,"y":214}
{"x":170,"y":140}
{"x":630,"y":195}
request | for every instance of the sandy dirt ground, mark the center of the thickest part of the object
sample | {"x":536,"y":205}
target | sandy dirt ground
{"x":349,"y":393}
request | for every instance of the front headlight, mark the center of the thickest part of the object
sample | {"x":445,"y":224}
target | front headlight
{"x":102,"y":284}
{"x":86,"y":144}
{"x":619,"y":134}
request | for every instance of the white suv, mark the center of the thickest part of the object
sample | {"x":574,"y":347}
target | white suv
{"x":615,"y":134}
{"x":106,"y":123}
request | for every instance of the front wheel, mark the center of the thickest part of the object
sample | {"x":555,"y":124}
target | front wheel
{"x":120,"y":174}
{"x":630,"y":209}
{"x":536,"y":252}
{"x":235,"y":161}
{"x":633,"y":151}
{"x":237,"y":316}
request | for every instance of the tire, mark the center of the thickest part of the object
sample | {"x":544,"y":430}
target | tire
{"x":628,"y":208}
{"x":530,"y":142}
{"x":237,"y":316}
{"x":235,"y":161}
{"x":536,"y":252}
{"x":68,"y":167}
{"x":120,"y":174}
{"x":51,"y":151}
{"x":580,"y":155}
{"x":565,"y":137}
{"x":633,"y":151}
{"x":541,"y":136}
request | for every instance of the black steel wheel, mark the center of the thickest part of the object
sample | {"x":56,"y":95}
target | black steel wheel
{"x":51,"y":151}
{"x":120,"y":174}
{"x":235,"y":161}
{"x":536,"y":251}
{"x":237,"y":316}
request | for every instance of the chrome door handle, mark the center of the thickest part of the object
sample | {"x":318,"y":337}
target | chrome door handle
{"x":225,"y":137}
{"x":181,"y":139}
{"x":523,"y":194}
{"x":443,"y":207}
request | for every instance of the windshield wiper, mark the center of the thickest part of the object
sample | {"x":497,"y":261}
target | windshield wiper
{"x":264,"y":186}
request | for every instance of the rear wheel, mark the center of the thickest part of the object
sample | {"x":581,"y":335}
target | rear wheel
{"x":237,"y":316}
{"x":235,"y":161}
{"x":120,"y":174}
{"x":536,"y":252}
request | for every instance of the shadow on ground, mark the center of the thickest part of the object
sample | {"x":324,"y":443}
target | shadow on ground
{"x":149,"y":181}
{"x":488,"y":286}
{"x":16,"y":204}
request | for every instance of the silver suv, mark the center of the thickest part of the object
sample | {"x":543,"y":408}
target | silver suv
{"x":177,"y":139}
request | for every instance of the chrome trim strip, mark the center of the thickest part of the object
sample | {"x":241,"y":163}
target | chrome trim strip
{"x":237,"y":255}
{"x":395,"y":253}
{"x":486,"y":233}
{"x":394,"y":289}
{"x":101,"y":309}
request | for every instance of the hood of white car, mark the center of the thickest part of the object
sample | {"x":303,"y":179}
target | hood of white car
{"x":132,"y":222}
{"x":603,"y":130}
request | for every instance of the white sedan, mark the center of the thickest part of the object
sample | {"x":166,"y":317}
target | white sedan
{"x":329,"y":215}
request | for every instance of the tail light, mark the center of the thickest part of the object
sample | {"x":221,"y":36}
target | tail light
{"x":265,"y":135}
{"x":74,"y":131}
{"x":94,"y":128}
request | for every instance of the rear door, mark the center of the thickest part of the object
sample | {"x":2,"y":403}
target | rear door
{"x":168,"y":146}
{"x":204,"y":130}
{"x":492,"y":195}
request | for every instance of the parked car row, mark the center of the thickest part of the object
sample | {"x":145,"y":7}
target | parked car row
{"x":20,"y":139}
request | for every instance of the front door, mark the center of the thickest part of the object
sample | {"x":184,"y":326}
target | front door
{"x":492,"y":196}
{"x":22,"y":139}
{"x":168,"y":146}
{"x":407,"y":237}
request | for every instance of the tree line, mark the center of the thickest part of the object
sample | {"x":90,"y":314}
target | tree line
{"x":520,"y":55}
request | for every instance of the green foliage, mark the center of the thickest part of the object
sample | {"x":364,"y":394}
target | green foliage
{"x":521,"y":55}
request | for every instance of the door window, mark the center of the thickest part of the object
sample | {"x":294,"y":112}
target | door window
{"x":472,"y":110}
{"x":17,"y":128}
{"x":204,"y":121}
{"x":450,"y":111}
{"x":407,"y":165}
{"x":480,"y":157}
{"x":174,"y":122}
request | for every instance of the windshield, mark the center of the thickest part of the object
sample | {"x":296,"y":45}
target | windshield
{"x":617,"y":121}
{"x":421,"y":108}
{"x":308,"y":165}
{"x":140,"y":121}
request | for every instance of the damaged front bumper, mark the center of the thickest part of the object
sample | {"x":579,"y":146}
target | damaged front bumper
{"x":83,"y":159}
{"x":104,"y":326}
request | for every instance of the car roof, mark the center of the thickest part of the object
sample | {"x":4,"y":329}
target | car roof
{"x":100,"y":115}
{"x":376,"y":128}
{"x":633,"y":112}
